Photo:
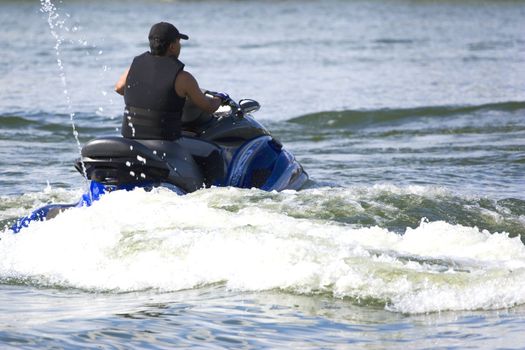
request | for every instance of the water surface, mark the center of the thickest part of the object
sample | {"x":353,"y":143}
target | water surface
{"x":408,"y":116}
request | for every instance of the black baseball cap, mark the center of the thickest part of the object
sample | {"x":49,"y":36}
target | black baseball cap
{"x":165,"y":32}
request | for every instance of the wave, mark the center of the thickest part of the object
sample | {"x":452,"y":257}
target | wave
{"x":251,"y":240}
{"x":356,"y":118}
{"x":13,"y":121}
{"x":56,"y":122}
{"x":388,"y":206}
{"x":16,"y":123}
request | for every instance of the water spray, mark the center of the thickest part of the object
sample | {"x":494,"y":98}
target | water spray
{"x":56,"y":23}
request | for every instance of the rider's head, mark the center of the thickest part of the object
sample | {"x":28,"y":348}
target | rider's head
{"x":164,"y":39}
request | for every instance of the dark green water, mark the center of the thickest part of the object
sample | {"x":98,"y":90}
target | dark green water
{"x":409,"y":117}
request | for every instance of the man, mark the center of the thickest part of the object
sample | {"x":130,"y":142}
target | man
{"x":156,"y":86}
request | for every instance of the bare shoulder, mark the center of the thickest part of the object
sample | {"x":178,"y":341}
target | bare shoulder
{"x":186,"y":77}
{"x":185,"y":84}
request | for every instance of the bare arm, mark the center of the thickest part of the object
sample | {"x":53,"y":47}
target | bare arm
{"x":121,"y":83}
{"x":187,"y":86}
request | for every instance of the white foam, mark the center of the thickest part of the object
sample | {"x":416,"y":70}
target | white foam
{"x":140,"y":240}
{"x":18,"y":206}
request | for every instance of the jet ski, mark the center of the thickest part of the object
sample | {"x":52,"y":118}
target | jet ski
{"x":227,"y":148}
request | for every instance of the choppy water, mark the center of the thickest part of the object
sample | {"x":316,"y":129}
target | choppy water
{"x":408,"y":116}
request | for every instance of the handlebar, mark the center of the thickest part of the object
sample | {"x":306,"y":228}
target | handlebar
{"x":236,"y":108}
{"x":228,"y":101}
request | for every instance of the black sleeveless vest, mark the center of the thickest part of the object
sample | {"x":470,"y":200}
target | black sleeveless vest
{"x":153,"y":108}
